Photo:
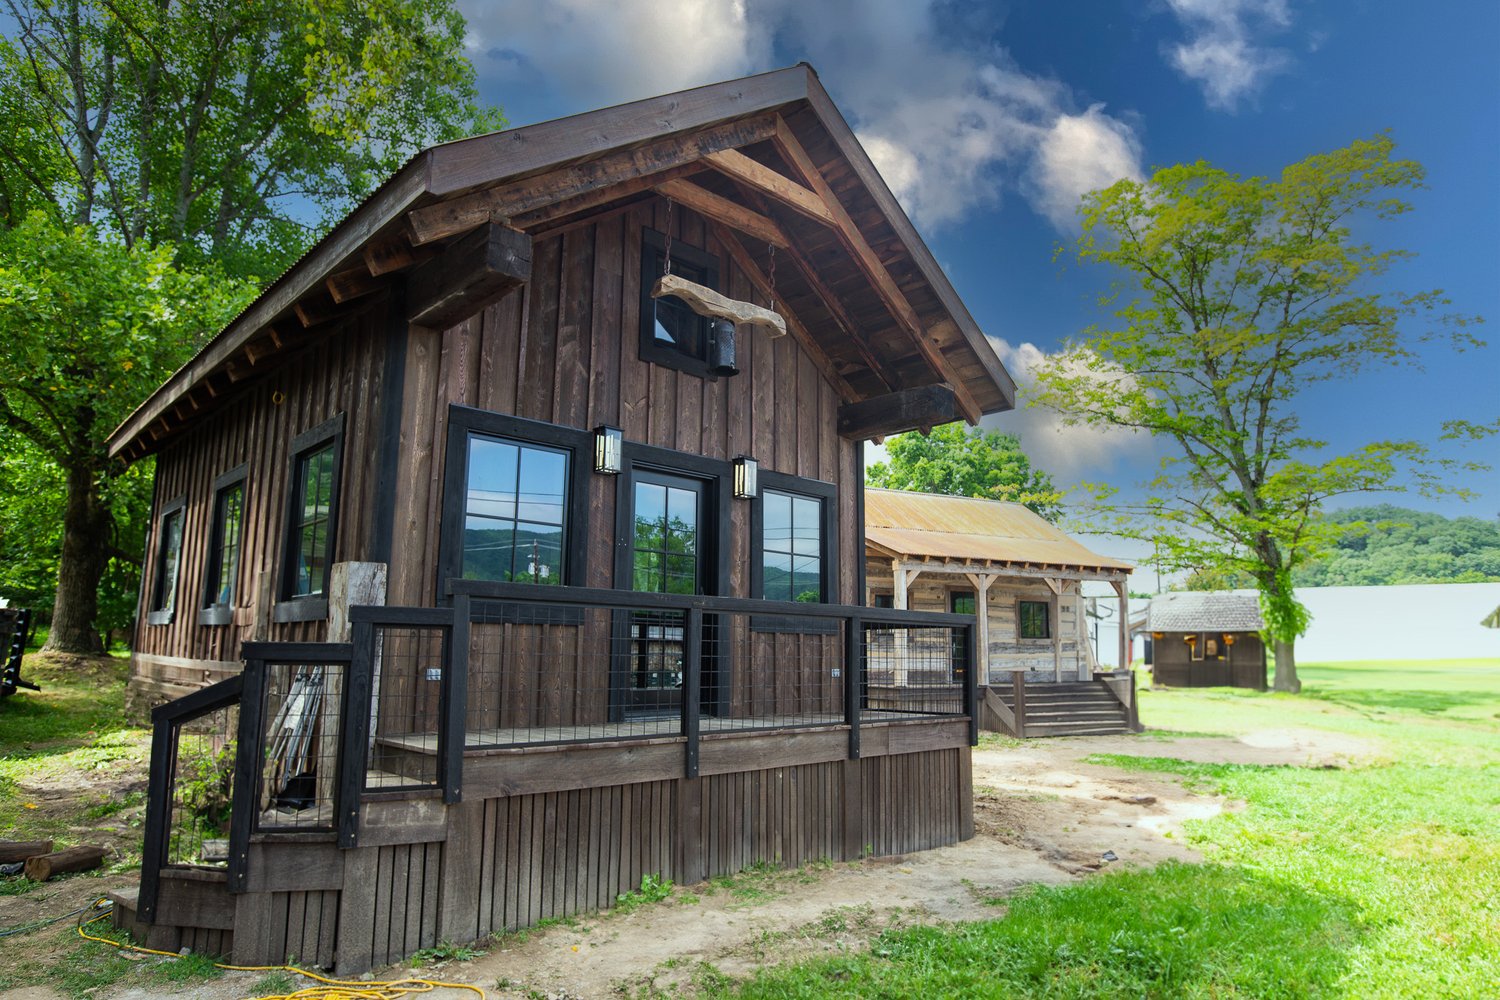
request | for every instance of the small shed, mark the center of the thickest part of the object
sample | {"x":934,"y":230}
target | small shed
{"x":1206,"y":639}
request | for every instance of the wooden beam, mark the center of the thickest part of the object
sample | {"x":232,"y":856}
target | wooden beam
{"x":448,"y":218}
{"x":396,"y":254}
{"x":736,"y":165}
{"x":474,"y":271}
{"x":706,"y":301}
{"x":541,"y":217}
{"x":841,"y":316}
{"x":315,"y":309}
{"x":885,"y":286}
{"x":721,"y":209}
{"x":903,"y":410}
{"x":351,"y":284}
{"x":748,"y":267}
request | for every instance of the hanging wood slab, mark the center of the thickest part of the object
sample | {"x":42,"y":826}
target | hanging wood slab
{"x":707,"y":302}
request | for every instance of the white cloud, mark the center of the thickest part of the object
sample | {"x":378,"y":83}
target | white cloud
{"x":1068,"y":453}
{"x":603,"y":53}
{"x":951,"y":124}
{"x":1224,"y":51}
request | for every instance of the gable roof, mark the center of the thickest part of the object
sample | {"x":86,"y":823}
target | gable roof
{"x":968,"y":529}
{"x":1204,"y":611}
{"x":901,"y":325}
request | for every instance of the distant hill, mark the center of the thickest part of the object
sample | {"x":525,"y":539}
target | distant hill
{"x":1408,"y":546}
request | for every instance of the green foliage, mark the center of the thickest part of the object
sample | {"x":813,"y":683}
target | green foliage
{"x":654,"y":889}
{"x":1385,"y":544}
{"x":966,"y":462}
{"x":117,"y":321}
{"x":1249,"y":292}
{"x":213,"y":126}
{"x":444,"y":951}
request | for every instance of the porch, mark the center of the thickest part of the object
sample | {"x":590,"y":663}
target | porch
{"x":455,"y":771}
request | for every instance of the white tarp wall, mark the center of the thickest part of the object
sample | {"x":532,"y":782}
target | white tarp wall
{"x":1408,"y":622}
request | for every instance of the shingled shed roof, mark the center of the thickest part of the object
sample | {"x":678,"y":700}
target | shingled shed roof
{"x":767,"y":159}
{"x":967,"y":529}
{"x":1211,"y":611}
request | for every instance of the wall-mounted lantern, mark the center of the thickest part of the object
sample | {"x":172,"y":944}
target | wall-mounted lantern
{"x":608,"y":448}
{"x":745,"y":470}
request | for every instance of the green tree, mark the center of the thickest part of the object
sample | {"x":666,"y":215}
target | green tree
{"x":1251,"y":292}
{"x":116,"y":320}
{"x":1384,"y":544}
{"x":232,"y":133}
{"x":966,"y":462}
{"x":237,"y":131}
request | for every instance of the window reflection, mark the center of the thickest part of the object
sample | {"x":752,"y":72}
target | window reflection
{"x":791,"y":547}
{"x":515,"y":512}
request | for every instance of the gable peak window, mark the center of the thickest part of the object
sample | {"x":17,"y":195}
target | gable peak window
{"x":671,"y":333}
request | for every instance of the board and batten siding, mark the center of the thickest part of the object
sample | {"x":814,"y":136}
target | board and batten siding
{"x":563,"y":349}
{"x":342,"y":372}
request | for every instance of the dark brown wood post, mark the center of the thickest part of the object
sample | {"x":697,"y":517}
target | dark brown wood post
{"x":1018,"y":689}
{"x":692,"y":688}
{"x":455,"y":701}
{"x":853,"y":679}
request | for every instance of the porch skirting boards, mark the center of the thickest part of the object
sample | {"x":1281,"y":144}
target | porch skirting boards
{"x":569,"y":833}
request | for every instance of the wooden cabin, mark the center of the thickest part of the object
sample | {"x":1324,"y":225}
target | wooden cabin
{"x":485,"y":581}
{"x":1023,"y":578}
{"x":1206,"y":639}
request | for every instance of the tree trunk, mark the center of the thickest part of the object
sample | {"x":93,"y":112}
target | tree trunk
{"x":1286,"y":668}
{"x":85,"y":543}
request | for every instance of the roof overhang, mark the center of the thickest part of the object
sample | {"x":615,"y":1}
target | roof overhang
{"x":377,"y":239}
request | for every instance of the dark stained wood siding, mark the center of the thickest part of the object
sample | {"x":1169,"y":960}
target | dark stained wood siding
{"x":339,"y":372}
{"x":1243,"y":665}
{"x":564,"y":350}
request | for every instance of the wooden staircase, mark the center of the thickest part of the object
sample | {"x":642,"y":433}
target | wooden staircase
{"x":1080,"y":708}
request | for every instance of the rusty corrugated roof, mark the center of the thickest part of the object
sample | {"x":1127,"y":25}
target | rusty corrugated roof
{"x":917,"y":525}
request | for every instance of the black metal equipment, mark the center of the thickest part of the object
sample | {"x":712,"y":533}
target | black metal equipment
{"x":15,"y":631}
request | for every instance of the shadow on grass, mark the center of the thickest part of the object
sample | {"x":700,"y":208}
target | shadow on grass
{"x":1386,"y":699}
{"x":1178,"y":930}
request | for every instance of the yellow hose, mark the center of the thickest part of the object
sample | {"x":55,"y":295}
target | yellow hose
{"x":332,"y":989}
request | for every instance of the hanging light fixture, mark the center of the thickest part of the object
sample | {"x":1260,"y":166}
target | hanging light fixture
{"x":608,"y":446}
{"x":745,"y":469}
{"x":721,"y":349}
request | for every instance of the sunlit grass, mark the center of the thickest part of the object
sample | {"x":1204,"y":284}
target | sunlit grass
{"x":1380,"y":880}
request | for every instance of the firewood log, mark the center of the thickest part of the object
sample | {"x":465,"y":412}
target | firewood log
{"x":71,"y":859}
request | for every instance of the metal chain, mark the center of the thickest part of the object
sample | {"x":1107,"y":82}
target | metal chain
{"x":772,"y":277}
{"x":666,"y":257}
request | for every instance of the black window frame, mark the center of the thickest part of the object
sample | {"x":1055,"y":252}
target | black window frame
{"x":653,"y":250}
{"x":210,"y":610}
{"x":290,"y":607}
{"x":1049,"y":604}
{"x":464,"y":421}
{"x":156,"y":614}
{"x":883,"y":595}
{"x":827,"y":495}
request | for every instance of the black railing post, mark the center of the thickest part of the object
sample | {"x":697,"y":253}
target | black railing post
{"x":971,"y":681}
{"x":455,"y":700}
{"x":854,"y":638}
{"x":355,"y":726}
{"x":158,"y":815}
{"x":692,"y":687}
{"x":249,"y":758}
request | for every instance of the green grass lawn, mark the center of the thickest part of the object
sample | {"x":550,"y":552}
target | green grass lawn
{"x":1382,"y":880}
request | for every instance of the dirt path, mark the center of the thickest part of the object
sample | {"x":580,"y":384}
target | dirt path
{"x":1042,"y":815}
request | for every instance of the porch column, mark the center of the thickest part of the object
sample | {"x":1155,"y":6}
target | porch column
{"x":1056,"y":586}
{"x":899,"y":600}
{"x":981,"y":582}
{"x":1124,"y":592}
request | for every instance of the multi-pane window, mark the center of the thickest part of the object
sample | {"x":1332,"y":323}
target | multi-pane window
{"x":665,"y":558}
{"x":1034,"y":620}
{"x":222,"y":570}
{"x":312,"y":524}
{"x":168,"y":564}
{"x":515,"y":512}
{"x":791,"y":547}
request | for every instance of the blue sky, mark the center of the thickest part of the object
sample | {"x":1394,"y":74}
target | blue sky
{"x":988,"y":120}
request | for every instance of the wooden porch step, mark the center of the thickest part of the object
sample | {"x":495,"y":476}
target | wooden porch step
{"x":1075,"y":729}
